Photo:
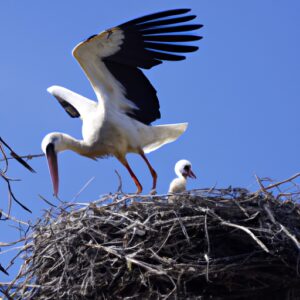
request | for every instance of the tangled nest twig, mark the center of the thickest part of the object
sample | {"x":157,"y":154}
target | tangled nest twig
{"x":207,"y":244}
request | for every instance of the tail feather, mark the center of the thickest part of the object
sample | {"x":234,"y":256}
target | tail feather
{"x":157,"y":136}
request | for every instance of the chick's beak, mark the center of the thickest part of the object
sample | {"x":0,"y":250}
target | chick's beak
{"x":191,"y":174}
{"x":53,"y":167}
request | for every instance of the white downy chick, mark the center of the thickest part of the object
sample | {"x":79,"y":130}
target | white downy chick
{"x":183,"y":169}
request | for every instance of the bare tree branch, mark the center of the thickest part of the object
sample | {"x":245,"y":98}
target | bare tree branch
{"x":17,"y":157}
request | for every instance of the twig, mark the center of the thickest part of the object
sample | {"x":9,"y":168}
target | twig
{"x":207,"y":254}
{"x":25,"y":285}
{"x":3,"y":270}
{"x":4,"y":159}
{"x":17,"y":157}
{"x":119,"y":189}
{"x":47,"y":201}
{"x":83,"y":188}
{"x":257,"y":240}
{"x":282,"y":182}
{"x":28,"y":156}
{"x":291,"y":236}
{"x":263,"y":189}
{"x":271,"y":216}
{"x":13,"y":196}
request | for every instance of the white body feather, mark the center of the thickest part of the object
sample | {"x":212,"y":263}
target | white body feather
{"x":110,"y":132}
{"x":178,"y":185}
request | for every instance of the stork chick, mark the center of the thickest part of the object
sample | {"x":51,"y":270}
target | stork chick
{"x":183,"y":169}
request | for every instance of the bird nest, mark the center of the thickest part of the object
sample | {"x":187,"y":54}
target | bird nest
{"x":206,"y":244}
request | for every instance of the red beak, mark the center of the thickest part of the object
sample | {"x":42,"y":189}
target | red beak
{"x":191,"y":174}
{"x":53,"y":167}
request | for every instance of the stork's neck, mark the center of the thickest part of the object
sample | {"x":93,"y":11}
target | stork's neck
{"x":180,"y":175}
{"x":182,"y":179}
{"x":69,"y":143}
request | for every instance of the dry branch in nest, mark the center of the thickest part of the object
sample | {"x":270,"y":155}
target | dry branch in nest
{"x":207,"y":244}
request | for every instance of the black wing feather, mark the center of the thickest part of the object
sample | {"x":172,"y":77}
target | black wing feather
{"x":172,"y":38}
{"x":159,"y":56}
{"x":159,"y":15}
{"x":70,"y":109}
{"x":146,"y":45}
{"x":170,"y":47}
{"x":140,"y":91}
{"x":171,"y":29}
{"x":166,"y":22}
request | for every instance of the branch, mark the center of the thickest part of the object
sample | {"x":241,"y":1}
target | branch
{"x":252,"y":235}
{"x":282,"y":182}
{"x":28,"y":156}
{"x":17,"y":157}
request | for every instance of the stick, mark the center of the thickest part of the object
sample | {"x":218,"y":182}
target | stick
{"x":258,"y":241}
{"x":283,"y":181}
{"x":17,"y":157}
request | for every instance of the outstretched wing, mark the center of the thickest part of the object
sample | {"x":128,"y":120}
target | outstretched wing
{"x":74,"y":104}
{"x":112,"y":59}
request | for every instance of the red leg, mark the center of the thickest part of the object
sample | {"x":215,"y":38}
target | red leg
{"x":124,"y":162}
{"x":153,"y":173}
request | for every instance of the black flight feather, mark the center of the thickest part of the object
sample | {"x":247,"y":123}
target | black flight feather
{"x":159,"y":15}
{"x":172,"y":38}
{"x":146,"y":45}
{"x":140,"y":91}
{"x":70,"y":109}
{"x":166,"y":22}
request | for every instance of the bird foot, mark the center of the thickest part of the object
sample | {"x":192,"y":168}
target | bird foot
{"x":153,"y":192}
{"x":139,"y":191}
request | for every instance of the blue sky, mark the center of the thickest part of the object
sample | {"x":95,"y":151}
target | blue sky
{"x":240,"y":94}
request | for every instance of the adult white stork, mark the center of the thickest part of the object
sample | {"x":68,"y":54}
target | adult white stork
{"x":119,"y":122}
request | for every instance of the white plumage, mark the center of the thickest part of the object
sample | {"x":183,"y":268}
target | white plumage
{"x":119,"y":122}
{"x":183,"y":169}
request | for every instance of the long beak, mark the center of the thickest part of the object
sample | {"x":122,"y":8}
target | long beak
{"x":53,"y":167}
{"x":191,"y":174}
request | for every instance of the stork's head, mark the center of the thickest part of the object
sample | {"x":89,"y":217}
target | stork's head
{"x":51,"y":145}
{"x":183,"y":168}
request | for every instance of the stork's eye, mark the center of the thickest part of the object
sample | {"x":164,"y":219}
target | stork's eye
{"x":186,"y":168}
{"x":54,"y":139}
